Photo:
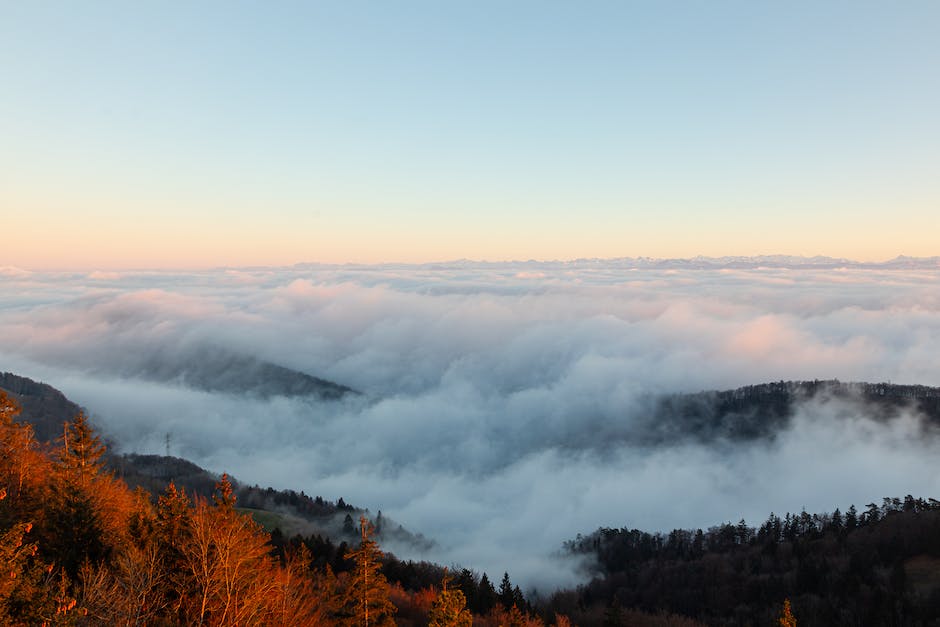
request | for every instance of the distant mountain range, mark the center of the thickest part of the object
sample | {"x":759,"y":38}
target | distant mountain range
{"x":699,"y":262}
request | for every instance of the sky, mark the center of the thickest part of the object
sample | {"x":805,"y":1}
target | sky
{"x":503,"y":408}
{"x":196,"y":135}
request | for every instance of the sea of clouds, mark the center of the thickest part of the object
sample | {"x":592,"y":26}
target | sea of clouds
{"x":499,"y":402}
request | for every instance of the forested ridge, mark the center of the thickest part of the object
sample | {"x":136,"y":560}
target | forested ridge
{"x":761,"y":411}
{"x":876,"y":566}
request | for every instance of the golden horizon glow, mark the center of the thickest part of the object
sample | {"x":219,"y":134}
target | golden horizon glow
{"x":267,"y":149}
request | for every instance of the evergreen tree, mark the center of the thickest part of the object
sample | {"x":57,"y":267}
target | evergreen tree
{"x":836,"y":520}
{"x":224,"y":496}
{"x":506,"y":596}
{"x":486,"y":596}
{"x":81,"y":451}
{"x":851,"y":518}
{"x":466,"y":582}
{"x":449,"y":608}
{"x":366,"y":601}
{"x":75,"y":529}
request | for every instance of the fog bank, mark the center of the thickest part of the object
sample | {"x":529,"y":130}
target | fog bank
{"x":498,"y":403}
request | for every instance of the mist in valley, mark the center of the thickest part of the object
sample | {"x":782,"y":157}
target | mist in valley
{"x":499,"y":409}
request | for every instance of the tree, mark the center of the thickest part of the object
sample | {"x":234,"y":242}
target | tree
{"x":836,"y":520}
{"x":27,"y":593}
{"x":84,"y":513}
{"x":366,"y":599}
{"x":506,"y":596}
{"x":561,"y":620}
{"x":298,"y":598}
{"x":851,"y":518}
{"x":786,"y":617}
{"x":230,"y":577}
{"x":486,"y":596}
{"x":449,"y":608}
{"x":9,"y":408}
{"x":81,"y":451}
{"x":511,"y":617}
{"x":23,"y":468}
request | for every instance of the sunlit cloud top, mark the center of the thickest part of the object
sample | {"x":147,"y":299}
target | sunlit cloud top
{"x":503,"y":407}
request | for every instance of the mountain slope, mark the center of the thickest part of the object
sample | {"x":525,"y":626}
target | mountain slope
{"x":760,"y":411}
{"x":214,"y":369}
{"x":876,"y":567}
{"x":45,"y":407}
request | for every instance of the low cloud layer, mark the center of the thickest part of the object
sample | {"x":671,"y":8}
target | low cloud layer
{"x":498,"y":400}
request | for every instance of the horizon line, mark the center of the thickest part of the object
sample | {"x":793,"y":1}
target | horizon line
{"x":777,"y":260}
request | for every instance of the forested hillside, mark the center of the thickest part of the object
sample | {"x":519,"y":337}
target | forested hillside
{"x":878,"y":566}
{"x":81,"y":546}
{"x":760,"y":411}
{"x":46,"y":407}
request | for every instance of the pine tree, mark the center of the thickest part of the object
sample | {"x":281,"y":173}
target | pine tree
{"x":506,"y":596}
{"x":80,"y":455}
{"x":224,"y":495}
{"x":851,"y":518}
{"x":449,"y":608}
{"x":486,"y":596}
{"x":76,"y":529}
{"x":366,"y":600}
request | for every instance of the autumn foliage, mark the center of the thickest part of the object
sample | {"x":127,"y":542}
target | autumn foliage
{"x":77,"y":547}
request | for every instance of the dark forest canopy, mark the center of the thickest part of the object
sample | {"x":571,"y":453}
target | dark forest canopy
{"x":878,"y":565}
{"x":760,"y":411}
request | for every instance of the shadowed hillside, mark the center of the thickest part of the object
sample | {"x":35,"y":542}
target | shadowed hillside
{"x":760,"y":411}
{"x":44,"y":407}
{"x":215,"y":369}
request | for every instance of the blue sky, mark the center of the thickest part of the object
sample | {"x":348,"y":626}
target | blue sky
{"x":169,"y":134}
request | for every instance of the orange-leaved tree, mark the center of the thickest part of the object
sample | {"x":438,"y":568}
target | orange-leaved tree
{"x":366,"y":600}
{"x":230,"y":576}
{"x":449,"y":608}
